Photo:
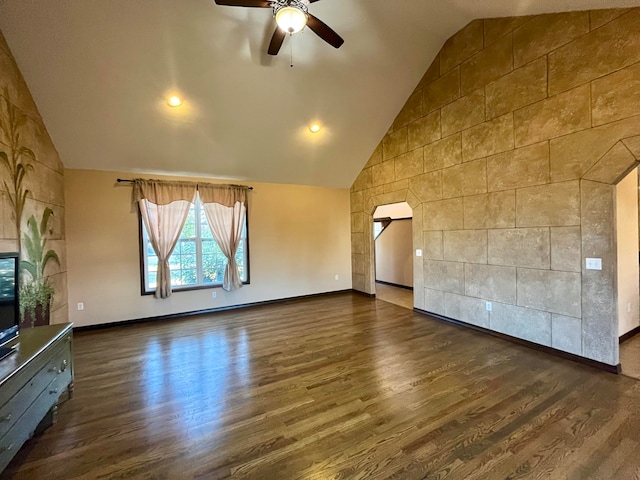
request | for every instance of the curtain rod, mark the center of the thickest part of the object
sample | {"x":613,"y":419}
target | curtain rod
{"x":124,"y":180}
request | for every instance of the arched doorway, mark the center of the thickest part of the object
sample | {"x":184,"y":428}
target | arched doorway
{"x":628,"y":273}
{"x":393,"y":253}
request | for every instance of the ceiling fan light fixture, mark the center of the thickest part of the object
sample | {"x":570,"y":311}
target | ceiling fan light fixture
{"x":291,"y":19}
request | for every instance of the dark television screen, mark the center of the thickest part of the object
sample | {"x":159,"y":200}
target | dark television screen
{"x":9,"y":309}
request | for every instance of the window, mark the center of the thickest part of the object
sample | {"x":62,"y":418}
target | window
{"x":196,"y":261}
{"x":379,"y":224}
{"x":377,"y":228}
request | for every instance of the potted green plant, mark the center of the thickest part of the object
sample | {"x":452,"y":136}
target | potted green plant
{"x":35,"y":303}
{"x":36,"y":295}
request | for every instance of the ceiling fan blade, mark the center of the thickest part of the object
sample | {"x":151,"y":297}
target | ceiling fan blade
{"x":324,"y":31}
{"x":276,"y":41}
{"x":245,"y":3}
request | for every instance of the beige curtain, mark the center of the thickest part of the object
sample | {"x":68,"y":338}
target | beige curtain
{"x":164,"y":207}
{"x":225,"y":207}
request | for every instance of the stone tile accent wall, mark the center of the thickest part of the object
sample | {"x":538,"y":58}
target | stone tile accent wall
{"x":508,"y":151}
{"x":44,"y":179}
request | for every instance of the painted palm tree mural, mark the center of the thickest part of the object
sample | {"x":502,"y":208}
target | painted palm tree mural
{"x":16,"y":159}
{"x":36,"y":291}
{"x":36,"y":296}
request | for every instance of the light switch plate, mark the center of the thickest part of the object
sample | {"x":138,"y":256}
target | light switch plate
{"x":594,"y":264}
{"x":418,"y":253}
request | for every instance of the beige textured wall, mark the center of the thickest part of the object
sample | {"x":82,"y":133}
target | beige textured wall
{"x":298,"y":241}
{"x":627,"y":248}
{"x":394,"y":252}
{"x":508,"y":151}
{"x":44,"y":179}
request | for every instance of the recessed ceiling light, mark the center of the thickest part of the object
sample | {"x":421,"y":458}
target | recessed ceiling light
{"x":315,"y":128}
{"x":174,"y":101}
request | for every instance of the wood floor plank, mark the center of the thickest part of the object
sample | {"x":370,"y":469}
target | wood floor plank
{"x":334,"y":387}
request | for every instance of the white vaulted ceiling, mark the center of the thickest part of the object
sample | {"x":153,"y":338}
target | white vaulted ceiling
{"x":100,"y":72}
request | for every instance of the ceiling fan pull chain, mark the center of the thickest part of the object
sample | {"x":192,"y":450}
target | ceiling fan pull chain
{"x":291,"y":45}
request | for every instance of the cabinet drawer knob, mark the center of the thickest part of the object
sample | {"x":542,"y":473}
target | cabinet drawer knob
{"x":55,"y":390}
{"x":64,"y":366}
{"x":7,"y":448}
{"x":6,"y":418}
{"x":53,"y":370}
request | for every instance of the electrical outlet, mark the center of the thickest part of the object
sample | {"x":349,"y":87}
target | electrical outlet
{"x":337,"y":277}
{"x":489,"y":306}
{"x":628,"y":307}
{"x":214,"y":294}
{"x":593,"y":263}
{"x":80,"y":306}
{"x":418,"y":253}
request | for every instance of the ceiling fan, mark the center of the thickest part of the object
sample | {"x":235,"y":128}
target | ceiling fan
{"x":291,"y":17}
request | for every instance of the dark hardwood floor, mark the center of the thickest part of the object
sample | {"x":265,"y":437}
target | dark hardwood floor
{"x":340,"y":386}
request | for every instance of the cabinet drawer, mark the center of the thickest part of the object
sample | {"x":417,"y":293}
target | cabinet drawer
{"x":58,"y":385}
{"x":24,"y":427}
{"x":12,"y":385}
{"x":58,"y":365}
